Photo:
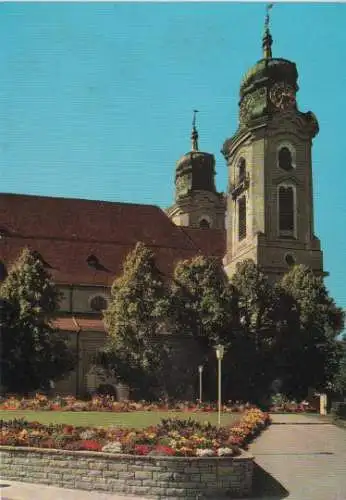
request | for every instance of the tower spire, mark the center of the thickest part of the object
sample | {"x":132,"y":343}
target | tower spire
{"x":194,"y":133}
{"x":267,"y":38}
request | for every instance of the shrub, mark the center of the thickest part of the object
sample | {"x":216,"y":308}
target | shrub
{"x":339,"y":410}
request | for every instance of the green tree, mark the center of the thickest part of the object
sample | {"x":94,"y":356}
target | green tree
{"x":339,"y":385}
{"x":255,"y":343}
{"x":315,"y":353}
{"x":204,"y":307}
{"x":136,"y":321}
{"x":32,"y":352}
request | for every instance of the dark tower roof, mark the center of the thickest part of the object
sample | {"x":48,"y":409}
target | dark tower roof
{"x":195,"y":169}
{"x":269,"y":70}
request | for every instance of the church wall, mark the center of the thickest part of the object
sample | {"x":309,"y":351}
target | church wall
{"x":181,"y":219}
{"x":255,"y":200}
{"x":65,"y":300}
{"x":300,"y":177}
{"x":274,"y":256}
{"x":258,"y":186}
{"x":198,"y":205}
{"x":249,"y":252}
{"x":87,"y":343}
{"x":77,"y":299}
{"x":207,"y":204}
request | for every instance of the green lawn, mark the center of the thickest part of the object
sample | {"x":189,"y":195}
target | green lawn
{"x":105,"y":419}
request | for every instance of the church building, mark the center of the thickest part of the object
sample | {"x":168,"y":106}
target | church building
{"x":266,"y":213}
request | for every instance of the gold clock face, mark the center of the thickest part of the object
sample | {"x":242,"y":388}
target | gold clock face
{"x":283,"y":96}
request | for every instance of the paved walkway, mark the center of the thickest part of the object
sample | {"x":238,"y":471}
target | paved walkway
{"x":299,"y":458}
{"x":304,"y":458}
{"x":11,"y":490}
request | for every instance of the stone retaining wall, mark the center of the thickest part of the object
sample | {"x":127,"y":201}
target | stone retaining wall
{"x":158,"y":477}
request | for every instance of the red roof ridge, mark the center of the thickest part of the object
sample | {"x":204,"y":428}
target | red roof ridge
{"x":24,"y":195}
{"x":98,"y":241}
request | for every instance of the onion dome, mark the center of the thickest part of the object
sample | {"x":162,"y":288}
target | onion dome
{"x":268,"y":86}
{"x":195,"y":170}
{"x":268,"y":71}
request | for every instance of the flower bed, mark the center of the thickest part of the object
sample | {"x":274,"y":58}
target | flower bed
{"x":172,"y":437}
{"x":293,"y":407}
{"x":107,"y":403}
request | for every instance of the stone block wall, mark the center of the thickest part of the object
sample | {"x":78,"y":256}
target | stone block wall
{"x":151,"y":477}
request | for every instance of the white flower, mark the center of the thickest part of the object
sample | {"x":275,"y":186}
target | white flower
{"x":112,"y":447}
{"x":88,"y":434}
{"x":224,"y":452}
{"x":204,"y":452}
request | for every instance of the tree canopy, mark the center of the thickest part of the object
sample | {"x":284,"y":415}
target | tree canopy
{"x":161,"y":329}
{"x":32,"y":352}
{"x":136,"y":320}
{"x":314,"y":351}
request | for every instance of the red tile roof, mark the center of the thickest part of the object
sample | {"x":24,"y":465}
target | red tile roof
{"x":66,"y":231}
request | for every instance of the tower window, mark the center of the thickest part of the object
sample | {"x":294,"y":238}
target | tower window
{"x":290,"y":260}
{"x":286,"y":211}
{"x":241,"y":169}
{"x":242,"y":218}
{"x":285,"y":159}
{"x":204,"y":224}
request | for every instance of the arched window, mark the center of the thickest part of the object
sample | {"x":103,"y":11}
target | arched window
{"x":286,"y":202}
{"x":290,"y":260}
{"x":285,"y":159}
{"x":241,"y":169}
{"x":204,"y":224}
{"x":242,"y":218}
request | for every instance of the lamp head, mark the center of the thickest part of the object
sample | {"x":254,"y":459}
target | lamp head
{"x":220,"y":351}
{"x":200,"y":368}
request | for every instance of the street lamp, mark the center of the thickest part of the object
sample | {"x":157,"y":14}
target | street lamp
{"x":200,"y":371}
{"x":220,"y":350}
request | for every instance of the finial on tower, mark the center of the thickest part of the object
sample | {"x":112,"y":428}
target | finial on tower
{"x":267,"y":38}
{"x":194,"y":133}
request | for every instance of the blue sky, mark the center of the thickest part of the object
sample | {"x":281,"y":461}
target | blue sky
{"x":96,"y":99}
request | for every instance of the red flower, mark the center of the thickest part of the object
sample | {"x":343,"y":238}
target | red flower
{"x":68,"y":429}
{"x":90,"y":445}
{"x":142,"y":449}
{"x":165,"y":450}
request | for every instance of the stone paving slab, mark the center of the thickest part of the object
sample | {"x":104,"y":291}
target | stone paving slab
{"x":306,"y":462}
{"x":299,"y":418}
{"x":13,"y":490}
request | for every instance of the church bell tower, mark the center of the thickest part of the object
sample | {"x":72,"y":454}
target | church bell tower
{"x":269,"y":198}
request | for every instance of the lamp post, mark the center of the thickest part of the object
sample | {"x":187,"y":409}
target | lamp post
{"x":200,"y":371}
{"x":220,"y":350}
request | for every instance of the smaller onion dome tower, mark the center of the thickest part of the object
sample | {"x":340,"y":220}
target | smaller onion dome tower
{"x":197,"y":203}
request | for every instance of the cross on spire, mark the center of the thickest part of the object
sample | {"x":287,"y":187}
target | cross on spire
{"x":194,"y":133}
{"x":267,"y":38}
